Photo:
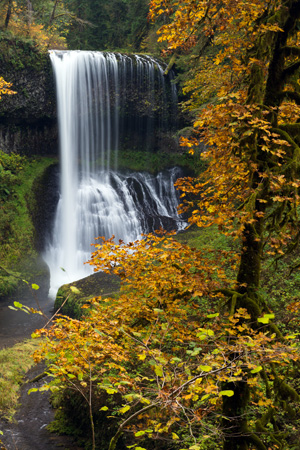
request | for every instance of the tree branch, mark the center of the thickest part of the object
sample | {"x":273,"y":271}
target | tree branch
{"x":293,"y":129}
{"x":290,"y":70}
{"x":290,"y":51}
{"x":292,"y":95}
{"x":286,"y":136}
{"x":114,"y":440}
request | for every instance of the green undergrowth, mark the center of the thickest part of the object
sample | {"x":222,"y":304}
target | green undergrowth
{"x":206,"y":239}
{"x":17,"y":202}
{"x":14,"y":363}
{"x":279,"y":285}
{"x":156,"y":162}
{"x":19,"y":52}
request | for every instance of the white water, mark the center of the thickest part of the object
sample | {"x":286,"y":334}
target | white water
{"x":94,"y":200}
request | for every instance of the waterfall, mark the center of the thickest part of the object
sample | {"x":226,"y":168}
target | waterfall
{"x":95,"y":198}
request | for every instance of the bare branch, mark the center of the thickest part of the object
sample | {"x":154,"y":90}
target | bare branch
{"x":290,"y":51}
{"x":292,"y":95}
{"x":290,"y":70}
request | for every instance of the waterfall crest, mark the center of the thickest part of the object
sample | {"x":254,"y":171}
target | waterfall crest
{"x":94,"y":199}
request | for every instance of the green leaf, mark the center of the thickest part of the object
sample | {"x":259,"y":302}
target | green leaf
{"x":175,"y":359}
{"x":211,"y":316}
{"x":32,"y":390}
{"x":205,"y":368}
{"x":257,"y":369}
{"x":75,"y":289}
{"x":204,"y":333}
{"x":266,"y":317}
{"x":270,"y":316}
{"x":263,"y":320}
{"x":35,"y":286}
{"x":111,"y":391}
{"x":227,"y":393}
{"x":18,"y":305}
{"x":158,"y":370}
{"x":215,"y":351}
{"x":124,"y":409}
{"x":99,"y":332}
{"x":196,"y":351}
{"x":139,"y":433}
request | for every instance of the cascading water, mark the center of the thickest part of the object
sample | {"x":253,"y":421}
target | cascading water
{"x":94,"y":200}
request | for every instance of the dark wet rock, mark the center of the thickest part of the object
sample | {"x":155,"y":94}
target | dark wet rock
{"x":28,"y":122}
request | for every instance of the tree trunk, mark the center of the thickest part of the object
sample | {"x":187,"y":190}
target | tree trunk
{"x":8,"y":14}
{"x":29,"y":13}
{"x":52,"y":17}
{"x":235,"y":417}
{"x":235,"y":421}
{"x":237,"y":436}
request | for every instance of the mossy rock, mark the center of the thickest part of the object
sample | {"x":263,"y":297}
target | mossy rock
{"x":8,"y":283}
{"x":31,"y":269}
{"x":80,"y":292}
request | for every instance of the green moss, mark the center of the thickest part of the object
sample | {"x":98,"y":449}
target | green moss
{"x":17,"y":200}
{"x":155,"y":162}
{"x":8,"y":283}
{"x":14,"y":363}
{"x":73,"y":296}
{"x":70,"y":302}
{"x":206,"y":238}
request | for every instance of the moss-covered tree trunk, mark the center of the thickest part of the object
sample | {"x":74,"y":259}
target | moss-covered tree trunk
{"x":269,"y":94}
{"x":235,"y":420}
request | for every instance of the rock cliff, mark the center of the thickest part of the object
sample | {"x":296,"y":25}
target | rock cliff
{"x":28,"y":118}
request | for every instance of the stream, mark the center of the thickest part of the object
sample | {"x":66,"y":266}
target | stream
{"x":29,"y":429}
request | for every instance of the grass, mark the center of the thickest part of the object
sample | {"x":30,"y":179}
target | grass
{"x":14,"y":363}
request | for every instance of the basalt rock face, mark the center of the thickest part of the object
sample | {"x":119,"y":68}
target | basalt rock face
{"x":28,"y":121}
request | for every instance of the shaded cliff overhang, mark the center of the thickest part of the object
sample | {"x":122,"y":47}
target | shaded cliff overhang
{"x":28,"y":119}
